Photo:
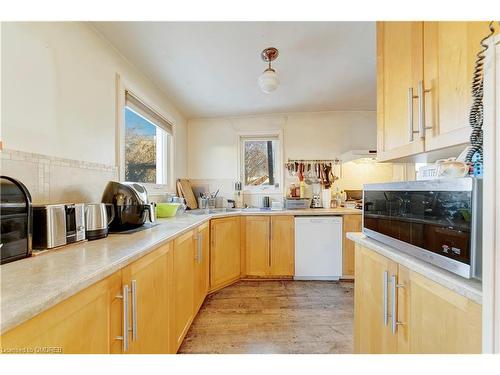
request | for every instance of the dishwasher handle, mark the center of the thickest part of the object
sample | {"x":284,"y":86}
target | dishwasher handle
{"x":322,"y":220}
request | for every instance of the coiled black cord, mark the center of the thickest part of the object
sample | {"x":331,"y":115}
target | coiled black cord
{"x":476,"y":111}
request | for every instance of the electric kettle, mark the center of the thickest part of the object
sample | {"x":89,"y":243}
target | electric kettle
{"x":97,"y":220}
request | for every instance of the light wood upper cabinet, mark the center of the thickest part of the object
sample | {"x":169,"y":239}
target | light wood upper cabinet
{"x":372,"y":332}
{"x":80,"y":324}
{"x":351,"y":223}
{"x":282,"y":246}
{"x":150,"y":283}
{"x":201,"y":265}
{"x":225,"y":257}
{"x":399,"y":68}
{"x":184,"y":253}
{"x":257,"y":245}
{"x":435,"y":319}
{"x":439,"y":57}
{"x":450,"y":50}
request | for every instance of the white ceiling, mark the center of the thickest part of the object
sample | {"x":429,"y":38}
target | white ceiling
{"x":210,"y":69}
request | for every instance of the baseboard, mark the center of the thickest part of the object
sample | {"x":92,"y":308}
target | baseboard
{"x":266,"y":278}
{"x":222,"y":286}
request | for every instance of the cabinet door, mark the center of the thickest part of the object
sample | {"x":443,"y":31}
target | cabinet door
{"x":372,"y":332}
{"x":282,"y":246}
{"x":148,"y":279}
{"x":184,"y":252}
{"x":201,"y":265}
{"x":435,"y":319}
{"x":257,"y":245}
{"x":450,"y":50}
{"x":225,"y":254}
{"x":399,"y":68}
{"x":351,"y":223}
{"x":78,"y":325}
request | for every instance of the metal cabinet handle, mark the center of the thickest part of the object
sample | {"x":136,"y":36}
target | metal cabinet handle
{"x":133,"y":284}
{"x":421,"y":109}
{"x":269,"y":238}
{"x":394,"y":314}
{"x":124,"y":338}
{"x":410,"y":114}
{"x":384,"y":297}
{"x":200,"y":246}
{"x":199,"y":256}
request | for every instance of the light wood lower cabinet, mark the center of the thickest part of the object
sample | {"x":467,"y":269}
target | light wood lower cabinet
{"x":225,"y":257}
{"x":184,"y":276}
{"x":150,"y":282}
{"x":202,"y":264}
{"x":424,"y":317}
{"x":93,"y":321}
{"x":80,"y":324}
{"x":269,"y":246}
{"x":350,"y":223}
{"x":435,"y":319}
{"x":257,"y":245}
{"x":371,"y":303}
{"x":282,"y":246}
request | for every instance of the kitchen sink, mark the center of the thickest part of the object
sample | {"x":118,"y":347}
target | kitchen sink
{"x":211,"y":211}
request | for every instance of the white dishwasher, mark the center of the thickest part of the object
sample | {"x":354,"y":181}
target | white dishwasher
{"x":318,"y":248}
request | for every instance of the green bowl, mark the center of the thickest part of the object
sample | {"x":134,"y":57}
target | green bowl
{"x":166,"y":209}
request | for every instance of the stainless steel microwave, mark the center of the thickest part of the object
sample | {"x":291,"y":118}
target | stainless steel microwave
{"x":438,"y":221}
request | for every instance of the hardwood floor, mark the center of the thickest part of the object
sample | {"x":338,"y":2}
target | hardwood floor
{"x":275,"y":317}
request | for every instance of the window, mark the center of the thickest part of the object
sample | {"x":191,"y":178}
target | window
{"x":147,"y":140}
{"x":261,"y":162}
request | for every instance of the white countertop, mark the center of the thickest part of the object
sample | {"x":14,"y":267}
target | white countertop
{"x":469,"y":288}
{"x":33,"y":285}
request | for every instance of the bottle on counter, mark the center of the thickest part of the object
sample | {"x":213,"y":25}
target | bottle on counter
{"x":302,"y":189}
{"x":338,"y":199}
{"x":238,"y":195}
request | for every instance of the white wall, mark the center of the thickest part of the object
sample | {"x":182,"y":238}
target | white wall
{"x":59,"y":92}
{"x":213,"y":145}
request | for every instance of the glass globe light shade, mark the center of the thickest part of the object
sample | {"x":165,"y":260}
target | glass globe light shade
{"x":268,"y":81}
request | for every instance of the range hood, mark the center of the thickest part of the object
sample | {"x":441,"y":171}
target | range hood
{"x":359,"y":155}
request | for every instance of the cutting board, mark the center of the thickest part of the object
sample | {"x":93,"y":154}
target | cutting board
{"x":186,"y":191}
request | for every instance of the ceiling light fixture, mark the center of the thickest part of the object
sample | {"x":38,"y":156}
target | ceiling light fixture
{"x":268,"y":81}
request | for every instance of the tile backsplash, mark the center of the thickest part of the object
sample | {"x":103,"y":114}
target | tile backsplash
{"x":52,"y":180}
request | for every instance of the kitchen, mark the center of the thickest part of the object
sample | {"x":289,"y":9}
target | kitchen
{"x":313,"y":189}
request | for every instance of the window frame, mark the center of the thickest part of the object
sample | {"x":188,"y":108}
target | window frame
{"x":272,"y":135}
{"x":163,"y":141}
{"x":167,"y":142}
